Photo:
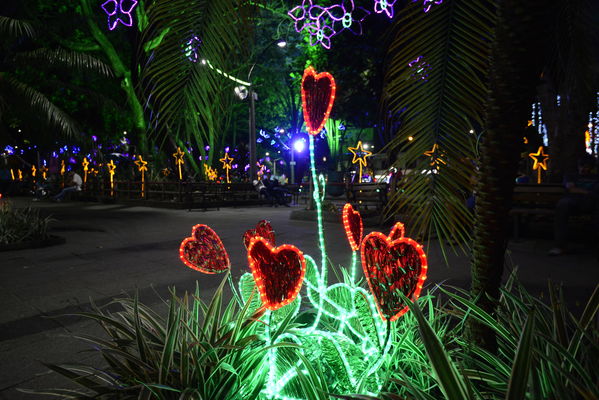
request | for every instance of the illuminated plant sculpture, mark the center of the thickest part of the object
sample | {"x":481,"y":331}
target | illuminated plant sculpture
{"x":345,"y":331}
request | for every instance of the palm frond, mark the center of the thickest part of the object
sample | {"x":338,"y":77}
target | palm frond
{"x":441,"y":109}
{"x":14,"y":28}
{"x":37,"y":103}
{"x":182,"y":94}
{"x":66,"y":58}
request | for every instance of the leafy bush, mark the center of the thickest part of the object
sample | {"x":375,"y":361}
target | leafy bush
{"x":21,"y":224}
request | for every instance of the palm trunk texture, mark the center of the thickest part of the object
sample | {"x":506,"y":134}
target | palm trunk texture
{"x":512,"y":81}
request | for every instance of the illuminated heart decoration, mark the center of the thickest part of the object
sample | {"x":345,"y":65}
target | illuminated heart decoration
{"x":354,"y":228}
{"x":393,"y":266}
{"x":263,"y":229}
{"x":318,"y":96}
{"x":278,"y":272}
{"x":204,"y":251}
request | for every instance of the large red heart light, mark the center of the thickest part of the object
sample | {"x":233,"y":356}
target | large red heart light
{"x":318,"y":96}
{"x":204,"y":251}
{"x":393,"y":266}
{"x":263,"y":229}
{"x":354,"y":228}
{"x":278,"y":272}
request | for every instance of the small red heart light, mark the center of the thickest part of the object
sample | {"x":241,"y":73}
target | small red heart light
{"x":318,"y":96}
{"x":204,"y":251}
{"x":393,"y":265}
{"x":278,"y":272}
{"x":263,"y":229}
{"x":354,"y":228}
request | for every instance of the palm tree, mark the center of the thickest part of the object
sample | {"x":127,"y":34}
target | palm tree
{"x":23,"y":99}
{"x":481,"y":78}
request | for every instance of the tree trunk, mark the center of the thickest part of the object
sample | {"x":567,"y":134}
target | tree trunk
{"x":512,"y":81}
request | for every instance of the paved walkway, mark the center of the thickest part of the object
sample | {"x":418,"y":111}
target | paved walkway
{"x":112,"y":249}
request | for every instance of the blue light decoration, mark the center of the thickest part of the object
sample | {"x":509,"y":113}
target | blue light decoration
{"x":192,"y":48}
{"x":9,"y":150}
{"x":119,"y":11}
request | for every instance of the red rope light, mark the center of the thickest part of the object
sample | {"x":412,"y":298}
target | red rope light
{"x":318,"y":96}
{"x":263,"y":229}
{"x":353,"y":225}
{"x":204,"y":251}
{"x":278,"y":272}
{"x":393,"y":266}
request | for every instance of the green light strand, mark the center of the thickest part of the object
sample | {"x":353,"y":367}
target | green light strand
{"x":354,"y":258}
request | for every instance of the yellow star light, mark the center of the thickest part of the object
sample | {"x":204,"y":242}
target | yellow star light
{"x":33,"y":171}
{"x":360,"y":154}
{"x":179,"y":156}
{"x":540,"y":154}
{"x":44,"y":171}
{"x":111,"y":167}
{"x":141,"y":164}
{"x":227,"y":161}
{"x":63,"y":167}
{"x":435,"y":156}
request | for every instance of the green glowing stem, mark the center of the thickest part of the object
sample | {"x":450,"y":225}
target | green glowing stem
{"x":354,"y":258}
{"x":318,"y":201}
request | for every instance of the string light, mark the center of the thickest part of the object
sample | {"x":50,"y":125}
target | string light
{"x":111,"y":167}
{"x":393,"y":266}
{"x":179,"y":161}
{"x":436,"y":156}
{"x":227,"y":164}
{"x":360,"y":155}
{"x":278,"y":272}
{"x":142,"y":166}
{"x":540,"y":162}
{"x":204,"y":251}
{"x":119,"y":11}
{"x":85,"y":164}
{"x":318,"y":96}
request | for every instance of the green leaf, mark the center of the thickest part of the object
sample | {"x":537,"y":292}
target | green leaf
{"x":522,"y":363}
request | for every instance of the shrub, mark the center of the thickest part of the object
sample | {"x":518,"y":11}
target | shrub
{"x":21,"y":224}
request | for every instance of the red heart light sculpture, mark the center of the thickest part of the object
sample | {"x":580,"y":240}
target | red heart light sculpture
{"x":354,"y":228}
{"x":263,"y":229}
{"x":278,"y":272}
{"x":393,"y":266}
{"x":204,"y":251}
{"x":397,"y":231}
{"x":318,"y":96}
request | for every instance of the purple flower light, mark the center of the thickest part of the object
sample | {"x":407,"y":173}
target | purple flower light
{"x":348,"y":15}
{"x":119,"y":11}
{"x":420,"y":68}
{"x":384,"y":6}
{"x":427,"y":4}
{"x":192,"y":48}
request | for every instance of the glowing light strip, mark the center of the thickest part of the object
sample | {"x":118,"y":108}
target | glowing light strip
{"x":310,"y":72}
{"x":221,"y":72}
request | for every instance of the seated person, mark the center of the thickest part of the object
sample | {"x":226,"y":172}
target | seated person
{"x":72,"y":184}
{"x":582,"y":198}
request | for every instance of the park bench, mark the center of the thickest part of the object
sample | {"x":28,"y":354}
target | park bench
{"x":533,"y":201}
{"x":363,"y":195}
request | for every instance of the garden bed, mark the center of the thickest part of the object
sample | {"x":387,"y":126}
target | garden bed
{"x":52,"y":240}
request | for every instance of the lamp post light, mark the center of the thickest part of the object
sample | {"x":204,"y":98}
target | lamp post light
{"x":298,"y":146}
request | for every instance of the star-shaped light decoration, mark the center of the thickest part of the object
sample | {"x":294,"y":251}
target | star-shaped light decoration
{"x":63,"y":168}
{"x":211,"y":173}
{"x":179,"y":161}
{"x":111,"y":167}
{"x":33,"y":171}
{"x":142,"y":166}
{"x":436,"y":156}
{"x":227,"y":164}
{"x":360,"y":155}
{"x":44,"y":171}
{"x":348,"y":15}
{"x":540,"y":161}
{"x":119,"y":11}
{"x":85,"y":164}
{"x":166,"y":171}
{"x":384,"y":6}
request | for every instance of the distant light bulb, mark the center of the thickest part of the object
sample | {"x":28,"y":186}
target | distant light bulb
{"x":410,"y":138}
